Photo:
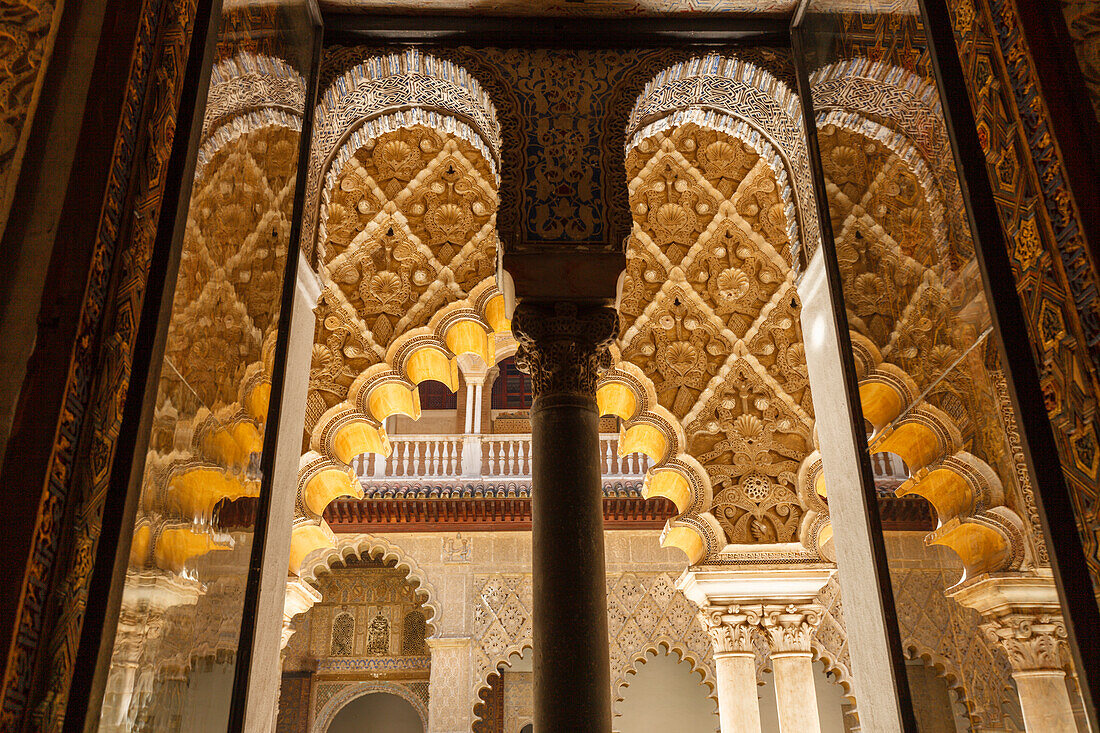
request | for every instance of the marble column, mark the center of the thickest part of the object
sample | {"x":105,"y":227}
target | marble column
{"x":474,"y":372}
{"x":789,"y":630}
{"x":1035,"y":644}
{"x":1022,"y":614}
{"x":562,"y":346}
{"x":732,"y":631}
{"x":779,"y":602}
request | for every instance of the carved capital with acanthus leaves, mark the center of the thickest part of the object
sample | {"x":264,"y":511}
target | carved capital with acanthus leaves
{"x":732,"y":629}
{"x":790,"y":628}
{"x":1033,"y":642}
{"x":564,"y":346}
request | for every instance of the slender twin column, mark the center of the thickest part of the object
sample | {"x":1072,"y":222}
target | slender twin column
{"x":788,"y":631}
{"x":732,"y":632}
{"x":563,"y":346}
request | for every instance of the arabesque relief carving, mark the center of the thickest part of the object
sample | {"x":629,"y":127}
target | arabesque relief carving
{"x":711,"y":315}
{"x":919,"y":328}
{"x":408,"y":228}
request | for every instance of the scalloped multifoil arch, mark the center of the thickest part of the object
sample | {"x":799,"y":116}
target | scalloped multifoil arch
{"x":736,"y":97}
{"x":664,"y":645}
{"x":626,"y":392}
{"x":356,"y":426}
{"x":378,"y":548}
{"x":965,"y":492}
{"x":946,"y":669}
{"x":355,"y":690}
{"x":390,"y":92}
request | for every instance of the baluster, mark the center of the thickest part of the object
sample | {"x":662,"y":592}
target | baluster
{"x":494,"y":451}
{"x":437,"y":458}
{"x":608,"y":458}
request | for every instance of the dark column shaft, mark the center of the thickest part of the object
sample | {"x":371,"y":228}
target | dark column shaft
{"x":562,"y":347}
{"x":571,"y":664}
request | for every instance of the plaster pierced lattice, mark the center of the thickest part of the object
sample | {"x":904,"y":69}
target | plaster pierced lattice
{"x":710,"y":315}
{"x":645,"y":613}
{"x":342,"y":629}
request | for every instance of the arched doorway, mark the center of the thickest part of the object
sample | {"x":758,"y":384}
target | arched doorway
{"x":665,"y":694}
{"x":378,"y":712}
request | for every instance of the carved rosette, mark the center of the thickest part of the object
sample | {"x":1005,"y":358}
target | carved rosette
{"x":564,"y":346}
{"x":1033,"y":642}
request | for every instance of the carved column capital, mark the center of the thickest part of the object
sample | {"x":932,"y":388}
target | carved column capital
{"x":732,"y":629}
{"x":790,"y":628}
{"x":1034,"y":642}
{"x":564,"y":346}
